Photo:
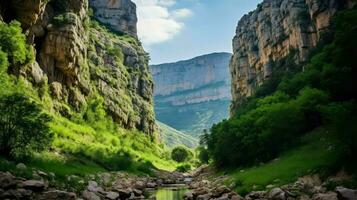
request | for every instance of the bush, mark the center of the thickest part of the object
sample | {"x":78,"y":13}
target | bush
{"x":180,"y":154}
{"x":184,"y":168}
{"x":13,"y":43}
{"x":203,"y":155}
{"x":24,"y":127}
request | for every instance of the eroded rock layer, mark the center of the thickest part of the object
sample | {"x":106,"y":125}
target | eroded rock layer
{"x":78,"y":59}
{"x":270,"y":33}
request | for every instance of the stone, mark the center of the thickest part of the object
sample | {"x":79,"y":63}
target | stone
{"x":87,"y":195}
{"x":139,"y":185}
{"x":7,"y":180}
{"x":21,"y":167}
{"x":346,"y":194}
{"x":16,"y":194}
{"x":112,"y":195}
{"x":277,"y":194}
{"x":151,"y":185}
{"x":34,"y":185}
{"x":58,"y":195}
{"x":124,"y":193}
{"x":204,"y":197}
{"x":92,"y":186}
{"x":188,"y":195}
{"x":325,"y":196}
{"x":217,"y":192}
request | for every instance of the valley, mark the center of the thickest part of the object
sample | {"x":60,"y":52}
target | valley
{"x":84,"y":115}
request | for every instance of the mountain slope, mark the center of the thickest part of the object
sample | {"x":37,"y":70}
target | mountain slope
{"x":191,"y":95}
{"x":172,"y":137}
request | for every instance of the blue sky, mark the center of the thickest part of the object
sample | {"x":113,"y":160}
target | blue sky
{"x":173,"y":30}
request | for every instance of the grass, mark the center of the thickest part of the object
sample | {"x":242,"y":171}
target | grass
{"x":172,"y":137}
{"x":318,"y":153}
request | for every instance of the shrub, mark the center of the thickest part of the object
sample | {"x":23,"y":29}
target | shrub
{"x":203,"y":155}
{"x":184,"y":168}
{"x":180,"y":154}
{"x":13,"y":43}
{"x":23,"y":127}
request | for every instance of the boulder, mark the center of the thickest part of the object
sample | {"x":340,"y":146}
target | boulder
{"x":87,"y":195}
{"x":34,"y":185}
{"x":7,"y":180}
{"x":124,"y":193}
{"x":188,"y":195}
{"x":325,"y":196}
{"x":277,"y":194}
{"x":204,"y":196}
{"x":346,"y":194}
{"x":58,"y":195}
{"x":16,"y":194}
{"x":112,"y":195}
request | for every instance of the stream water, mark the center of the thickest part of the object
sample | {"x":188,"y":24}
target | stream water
{"x":171,"y":192}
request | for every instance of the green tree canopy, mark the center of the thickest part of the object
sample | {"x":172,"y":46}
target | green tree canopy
{"x":23,"y":127}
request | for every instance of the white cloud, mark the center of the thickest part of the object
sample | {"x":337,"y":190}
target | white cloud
{"x":182,"y":13}
{"x":157,"y":22}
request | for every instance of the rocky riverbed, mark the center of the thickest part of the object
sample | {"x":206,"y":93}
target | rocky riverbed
{"x":200,"y":183}
{"x":309,"y":187}
{"x":112,"y":186}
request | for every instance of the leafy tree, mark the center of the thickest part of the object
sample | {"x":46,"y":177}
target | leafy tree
{"x":180,"y":154}
{"x":23,"y":127}
{"x":13,"y":43}
{"x":203,"y":155}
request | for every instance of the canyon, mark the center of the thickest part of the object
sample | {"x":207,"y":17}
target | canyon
{"x":191,"y":95}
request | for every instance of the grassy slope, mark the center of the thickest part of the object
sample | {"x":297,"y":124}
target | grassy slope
{"x":172,"y":137}
{"x":192,"y":119}
{"x":318,"y":152}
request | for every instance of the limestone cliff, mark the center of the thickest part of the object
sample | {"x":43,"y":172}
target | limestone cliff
{"x":271,"y":32}
{"x":79,"y":59}
{"x":196,"y":91}
{"x":119,"y":15}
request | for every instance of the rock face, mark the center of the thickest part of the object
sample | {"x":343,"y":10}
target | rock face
{"x":120,"y":15}
{"x":271,"y":32}
{"x":78,"y":59}
{"x":191,"y":90}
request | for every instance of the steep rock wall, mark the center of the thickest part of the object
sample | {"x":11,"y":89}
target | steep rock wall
{"x":119,"y":15}
{"x":270,"y":33}
{"x":77,"y":59}
{"x":195,"y":91}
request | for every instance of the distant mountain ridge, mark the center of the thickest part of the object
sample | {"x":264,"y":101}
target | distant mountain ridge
{"x":193,"y":94}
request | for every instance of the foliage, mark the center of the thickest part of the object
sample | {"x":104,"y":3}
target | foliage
{"x":319,"y":151}
{"x":13,"y":43}
{"x":184,"y":168}
{"x":293,"y":103}
{"x":180,"y":154}
{"x":203,"y":155}
{"x":24,"y":127}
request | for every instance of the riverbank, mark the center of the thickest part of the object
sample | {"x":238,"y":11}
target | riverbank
{"x":206,"y":185}
{"x":104,"y":185}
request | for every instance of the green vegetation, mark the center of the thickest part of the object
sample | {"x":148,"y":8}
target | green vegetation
{"x":86,"y":142}
{"x":194,"y":118}
{"x":24,"y":127}
{"x":181,"y":154}
{"x":172,"y":137}
{"x":292,"y":104}
{"x":13,"y":44}
{"x":318,"y":151}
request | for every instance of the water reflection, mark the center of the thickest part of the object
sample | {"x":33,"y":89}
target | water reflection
{"x":171,"y":193}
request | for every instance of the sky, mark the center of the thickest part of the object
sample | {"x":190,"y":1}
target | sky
{"x":173,"y":30}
